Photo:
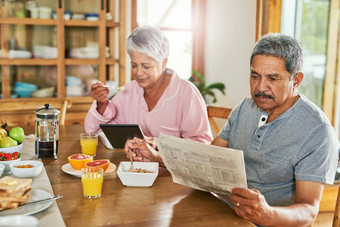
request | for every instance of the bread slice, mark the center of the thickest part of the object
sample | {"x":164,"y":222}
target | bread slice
{"x":13,"y":192}
{"x":10,"y":185}
{"x":8,"y":205}
{"x":23,"y":191}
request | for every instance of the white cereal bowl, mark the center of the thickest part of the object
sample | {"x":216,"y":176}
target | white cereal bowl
{"x":26,"y":172}
{"x":133,"y":179}
{"x":2,"y":168}
{"x":7,"y":163}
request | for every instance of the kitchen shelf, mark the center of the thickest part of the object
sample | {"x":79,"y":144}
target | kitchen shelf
{"x":63,"y":35}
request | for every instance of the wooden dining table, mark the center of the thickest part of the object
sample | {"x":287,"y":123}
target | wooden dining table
{"x":165,"y":203}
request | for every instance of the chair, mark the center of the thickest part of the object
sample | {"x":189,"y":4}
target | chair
{"x":217,"y":112}
{"x":20,"y":112}
{"x":336,"y":218}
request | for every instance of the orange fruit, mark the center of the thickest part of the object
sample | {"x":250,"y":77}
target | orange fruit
{"x":77,"y":161}
{"x":103,"y":163}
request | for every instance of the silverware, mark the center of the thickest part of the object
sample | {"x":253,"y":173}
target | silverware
{"x":43,"y":200}
{"x":131,"y":165}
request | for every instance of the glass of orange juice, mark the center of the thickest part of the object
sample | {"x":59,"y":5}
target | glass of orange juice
{"x":88,"y":143}
{"x":92,"y":180}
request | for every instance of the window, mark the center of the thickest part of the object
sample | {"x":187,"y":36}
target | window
{"x":307,"y":21}
{"x":177,"y":18}
{"x":315,"y":24}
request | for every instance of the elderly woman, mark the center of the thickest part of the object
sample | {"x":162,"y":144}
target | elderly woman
{"x":157,"y":99}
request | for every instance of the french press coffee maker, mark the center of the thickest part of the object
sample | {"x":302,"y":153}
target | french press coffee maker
{"x":46,"y":132}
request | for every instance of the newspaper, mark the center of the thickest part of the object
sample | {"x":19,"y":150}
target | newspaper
{"x":201,"y":166}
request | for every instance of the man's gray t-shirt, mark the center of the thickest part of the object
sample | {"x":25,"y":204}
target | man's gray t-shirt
{"x":299,"y":145}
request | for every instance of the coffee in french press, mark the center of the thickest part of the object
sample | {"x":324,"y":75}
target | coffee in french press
{"x":46,"y":132}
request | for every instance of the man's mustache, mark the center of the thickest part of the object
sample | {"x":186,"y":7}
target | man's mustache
{"x":262,"y":94}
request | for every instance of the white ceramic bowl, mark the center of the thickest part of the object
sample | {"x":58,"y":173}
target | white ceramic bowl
{"x":2,"y":168}
{"x":19,"y":220}
{"x":133,"y":179}
{"x":7,"y":163}
{"x":75,"y":90}
{"x":45,"y":12}
{"x":26,"y":172}
{"x":12,"y":149}
{"x":78,"y":16}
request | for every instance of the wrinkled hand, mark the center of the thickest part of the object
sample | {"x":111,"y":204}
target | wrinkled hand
{"x":99,"y":92}
{"x":250,"y":204}
{"x":140,"y":151}
{"x":151,"y":141}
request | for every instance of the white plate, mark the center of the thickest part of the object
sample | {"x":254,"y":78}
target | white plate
{"x":19,"y":221}
{"x":67,"y":168}
{"x":35,"y":194}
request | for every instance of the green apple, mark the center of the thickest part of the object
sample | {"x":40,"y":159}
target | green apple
{"x":8,"y":142}
{"x":17,"y":133}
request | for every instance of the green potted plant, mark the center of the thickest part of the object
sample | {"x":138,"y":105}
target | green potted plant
{"x":206,"y":90}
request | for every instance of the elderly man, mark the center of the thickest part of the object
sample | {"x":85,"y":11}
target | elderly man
{"x":290,"y":148}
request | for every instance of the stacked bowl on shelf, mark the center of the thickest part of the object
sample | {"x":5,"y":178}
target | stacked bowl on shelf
{"x":74,"y":86}
{"x":24,"y":90}
{"x":43,"y":92}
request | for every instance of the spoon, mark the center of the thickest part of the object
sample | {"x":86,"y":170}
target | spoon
{"x":131,"y":165}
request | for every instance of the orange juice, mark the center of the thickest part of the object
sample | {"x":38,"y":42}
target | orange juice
{"x":89,"y":146}
{"x":92,"y":183}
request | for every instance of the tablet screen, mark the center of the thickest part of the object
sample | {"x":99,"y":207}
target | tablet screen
{"x":118,"y":134}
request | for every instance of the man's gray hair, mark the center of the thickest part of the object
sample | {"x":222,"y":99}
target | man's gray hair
{"x":282,"y":46}
{"x":150,"y":41}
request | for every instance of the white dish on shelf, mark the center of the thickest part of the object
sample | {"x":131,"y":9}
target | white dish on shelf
{"x":20,"y":54}
{"x":45,"y":51}
{"x":73,"y":81}
{"x":78,"y":16}
{"x":85,"y":52}
{"x":43,"y":93}
{"x":67,"y":168}
{"x":75,"y":90}
{"x":67,"y":15}
{"x":23,"y":54}
{"x":35,"y":194}
{"x":45,"y":12}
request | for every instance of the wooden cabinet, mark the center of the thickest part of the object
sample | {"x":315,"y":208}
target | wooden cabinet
{"x":57,"y":50}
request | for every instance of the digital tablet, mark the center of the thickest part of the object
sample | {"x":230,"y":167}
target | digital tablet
{"x":118,"y":134}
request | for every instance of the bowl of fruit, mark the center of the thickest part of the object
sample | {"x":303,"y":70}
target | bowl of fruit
{"x":10,"y":145}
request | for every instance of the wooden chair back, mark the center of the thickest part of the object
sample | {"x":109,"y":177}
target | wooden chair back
{"x":20,"y":112}
{"x":336,"y":218}
{"x":217,"y":112}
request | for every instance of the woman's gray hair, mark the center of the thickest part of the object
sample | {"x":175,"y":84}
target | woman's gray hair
{"x":150,"y":41}
{"x":282,"y":46}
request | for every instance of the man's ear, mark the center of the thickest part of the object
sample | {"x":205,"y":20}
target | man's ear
{"x":297,"y":79}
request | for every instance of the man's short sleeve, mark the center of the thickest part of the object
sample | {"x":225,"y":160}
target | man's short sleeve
{"x":319,"y":165}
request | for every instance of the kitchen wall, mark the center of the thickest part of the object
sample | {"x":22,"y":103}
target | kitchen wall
{"x":230,"y":37}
